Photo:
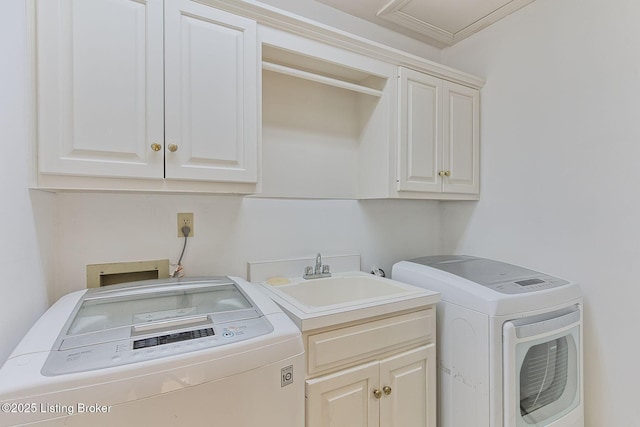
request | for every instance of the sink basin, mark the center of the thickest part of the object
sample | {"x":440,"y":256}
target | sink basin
{"x":333,"y":291}
{"x":345,"y":297}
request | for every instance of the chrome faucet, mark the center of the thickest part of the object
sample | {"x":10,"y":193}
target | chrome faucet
{"x":318,"y":271}
{"x":318,"y":268}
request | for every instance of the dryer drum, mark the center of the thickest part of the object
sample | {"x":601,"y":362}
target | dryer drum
{"x":544,"y":374}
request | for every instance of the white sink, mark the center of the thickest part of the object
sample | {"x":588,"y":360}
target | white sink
{"x":344,"y":297}
{"x":340,"y":290}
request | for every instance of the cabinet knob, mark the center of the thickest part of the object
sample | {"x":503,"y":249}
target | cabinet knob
{"x":387,"y":390}
{"x":447,"y":173}
{"x":377,"y":394}
{"x":441,"y":173}
{"x":156,"y":147}
{"x":173,"y":147}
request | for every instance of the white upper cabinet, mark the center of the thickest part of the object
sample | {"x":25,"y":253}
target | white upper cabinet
{"x":438,"y":136}
{"x":210,"y":102}
{"x":230,"y":96}
{"x":100,"y":87}
{"x":420,"y":132}
{"x":461,"y":139}
{"x":152,"y":90}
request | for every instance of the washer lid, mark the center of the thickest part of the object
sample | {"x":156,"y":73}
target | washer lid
{"x":499,"y":276}
{"x":140,"y":322}
{"x":165,"y":302}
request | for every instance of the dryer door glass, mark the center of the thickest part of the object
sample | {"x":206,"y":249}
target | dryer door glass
{"x":544,"y":374}
{"x":542,"y":369}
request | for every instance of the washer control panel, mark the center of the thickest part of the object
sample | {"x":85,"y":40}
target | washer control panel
{"x":149,"y":347}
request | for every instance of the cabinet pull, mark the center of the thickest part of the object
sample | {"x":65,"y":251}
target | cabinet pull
{"x":387,"y":390}
{"x":156,"y":147}
{"x":173,"y":147}
{"x":377,"y":394}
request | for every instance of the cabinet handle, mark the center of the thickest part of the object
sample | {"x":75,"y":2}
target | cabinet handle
{"x":447,"y":173}
{"x":377,"y":394}
{"x":173,"y":147}
{"x":156,"y":147}
{"x":441,"y":173}
{"x":387,"y":390}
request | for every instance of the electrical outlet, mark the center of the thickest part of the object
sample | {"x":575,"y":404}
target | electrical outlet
{"x":185,"y":219}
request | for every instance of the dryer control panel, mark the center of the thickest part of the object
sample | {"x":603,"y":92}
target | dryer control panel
{"x":498,"y":276}
{"x":531,"y":284}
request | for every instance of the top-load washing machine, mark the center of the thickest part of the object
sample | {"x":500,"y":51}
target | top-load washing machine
{"x":509,"y":342}
{"x":179,"y":352}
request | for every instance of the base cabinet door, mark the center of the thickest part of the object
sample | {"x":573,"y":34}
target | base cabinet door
{"x":344,"y":399}
{"x":398,"y":391}
{"x":408,"y":382}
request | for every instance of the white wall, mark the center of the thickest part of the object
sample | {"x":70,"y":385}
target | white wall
{"x":560,"y":172}
{"x":229,"y":231}
{"x":27,"y":218}
{"x":49,"y":238}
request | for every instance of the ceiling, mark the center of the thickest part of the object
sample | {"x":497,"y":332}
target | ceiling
{"x":438,"y":22}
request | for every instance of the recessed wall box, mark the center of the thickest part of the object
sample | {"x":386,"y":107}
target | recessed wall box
{"x":120,"y":272}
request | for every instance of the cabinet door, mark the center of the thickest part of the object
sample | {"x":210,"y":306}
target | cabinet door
{"x":411,"y":398}
{"x":100,"y":87}
{"x":461,"y":136}
{"x":420,"y":132}
{"x":344,"y":399}
{"x":211,"y":71}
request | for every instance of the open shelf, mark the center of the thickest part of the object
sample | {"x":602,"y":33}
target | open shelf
{"x":321,"y":71}
{"x":320,"y":78}
{"x":326,"y":117}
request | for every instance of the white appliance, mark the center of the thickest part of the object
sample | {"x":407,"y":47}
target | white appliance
{"x":176,"y":352}
{"x":509,"y":342}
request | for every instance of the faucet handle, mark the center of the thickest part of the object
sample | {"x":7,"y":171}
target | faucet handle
{"x":308,"y":270}
{"x":325,"y":269}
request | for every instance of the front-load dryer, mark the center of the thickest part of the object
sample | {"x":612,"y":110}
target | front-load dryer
{"x":509,"y":343}
{"x":178,"y":352}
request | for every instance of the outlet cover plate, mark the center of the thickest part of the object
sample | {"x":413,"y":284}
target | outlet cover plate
{"x":185,"y":219}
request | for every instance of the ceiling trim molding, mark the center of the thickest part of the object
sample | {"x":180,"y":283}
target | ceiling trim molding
{"x":393,"y":12}
{"x":491,"y":18}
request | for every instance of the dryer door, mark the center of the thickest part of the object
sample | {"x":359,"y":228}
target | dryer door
{"x":542,"y":370}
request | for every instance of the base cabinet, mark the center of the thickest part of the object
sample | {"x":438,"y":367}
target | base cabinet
{"x":398,"y":391}
{"x":379,"y":373}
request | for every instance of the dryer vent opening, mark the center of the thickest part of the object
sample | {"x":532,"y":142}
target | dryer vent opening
{"x":99,"y":275}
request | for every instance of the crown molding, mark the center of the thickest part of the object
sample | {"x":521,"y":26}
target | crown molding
{"x":286,"y":21}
